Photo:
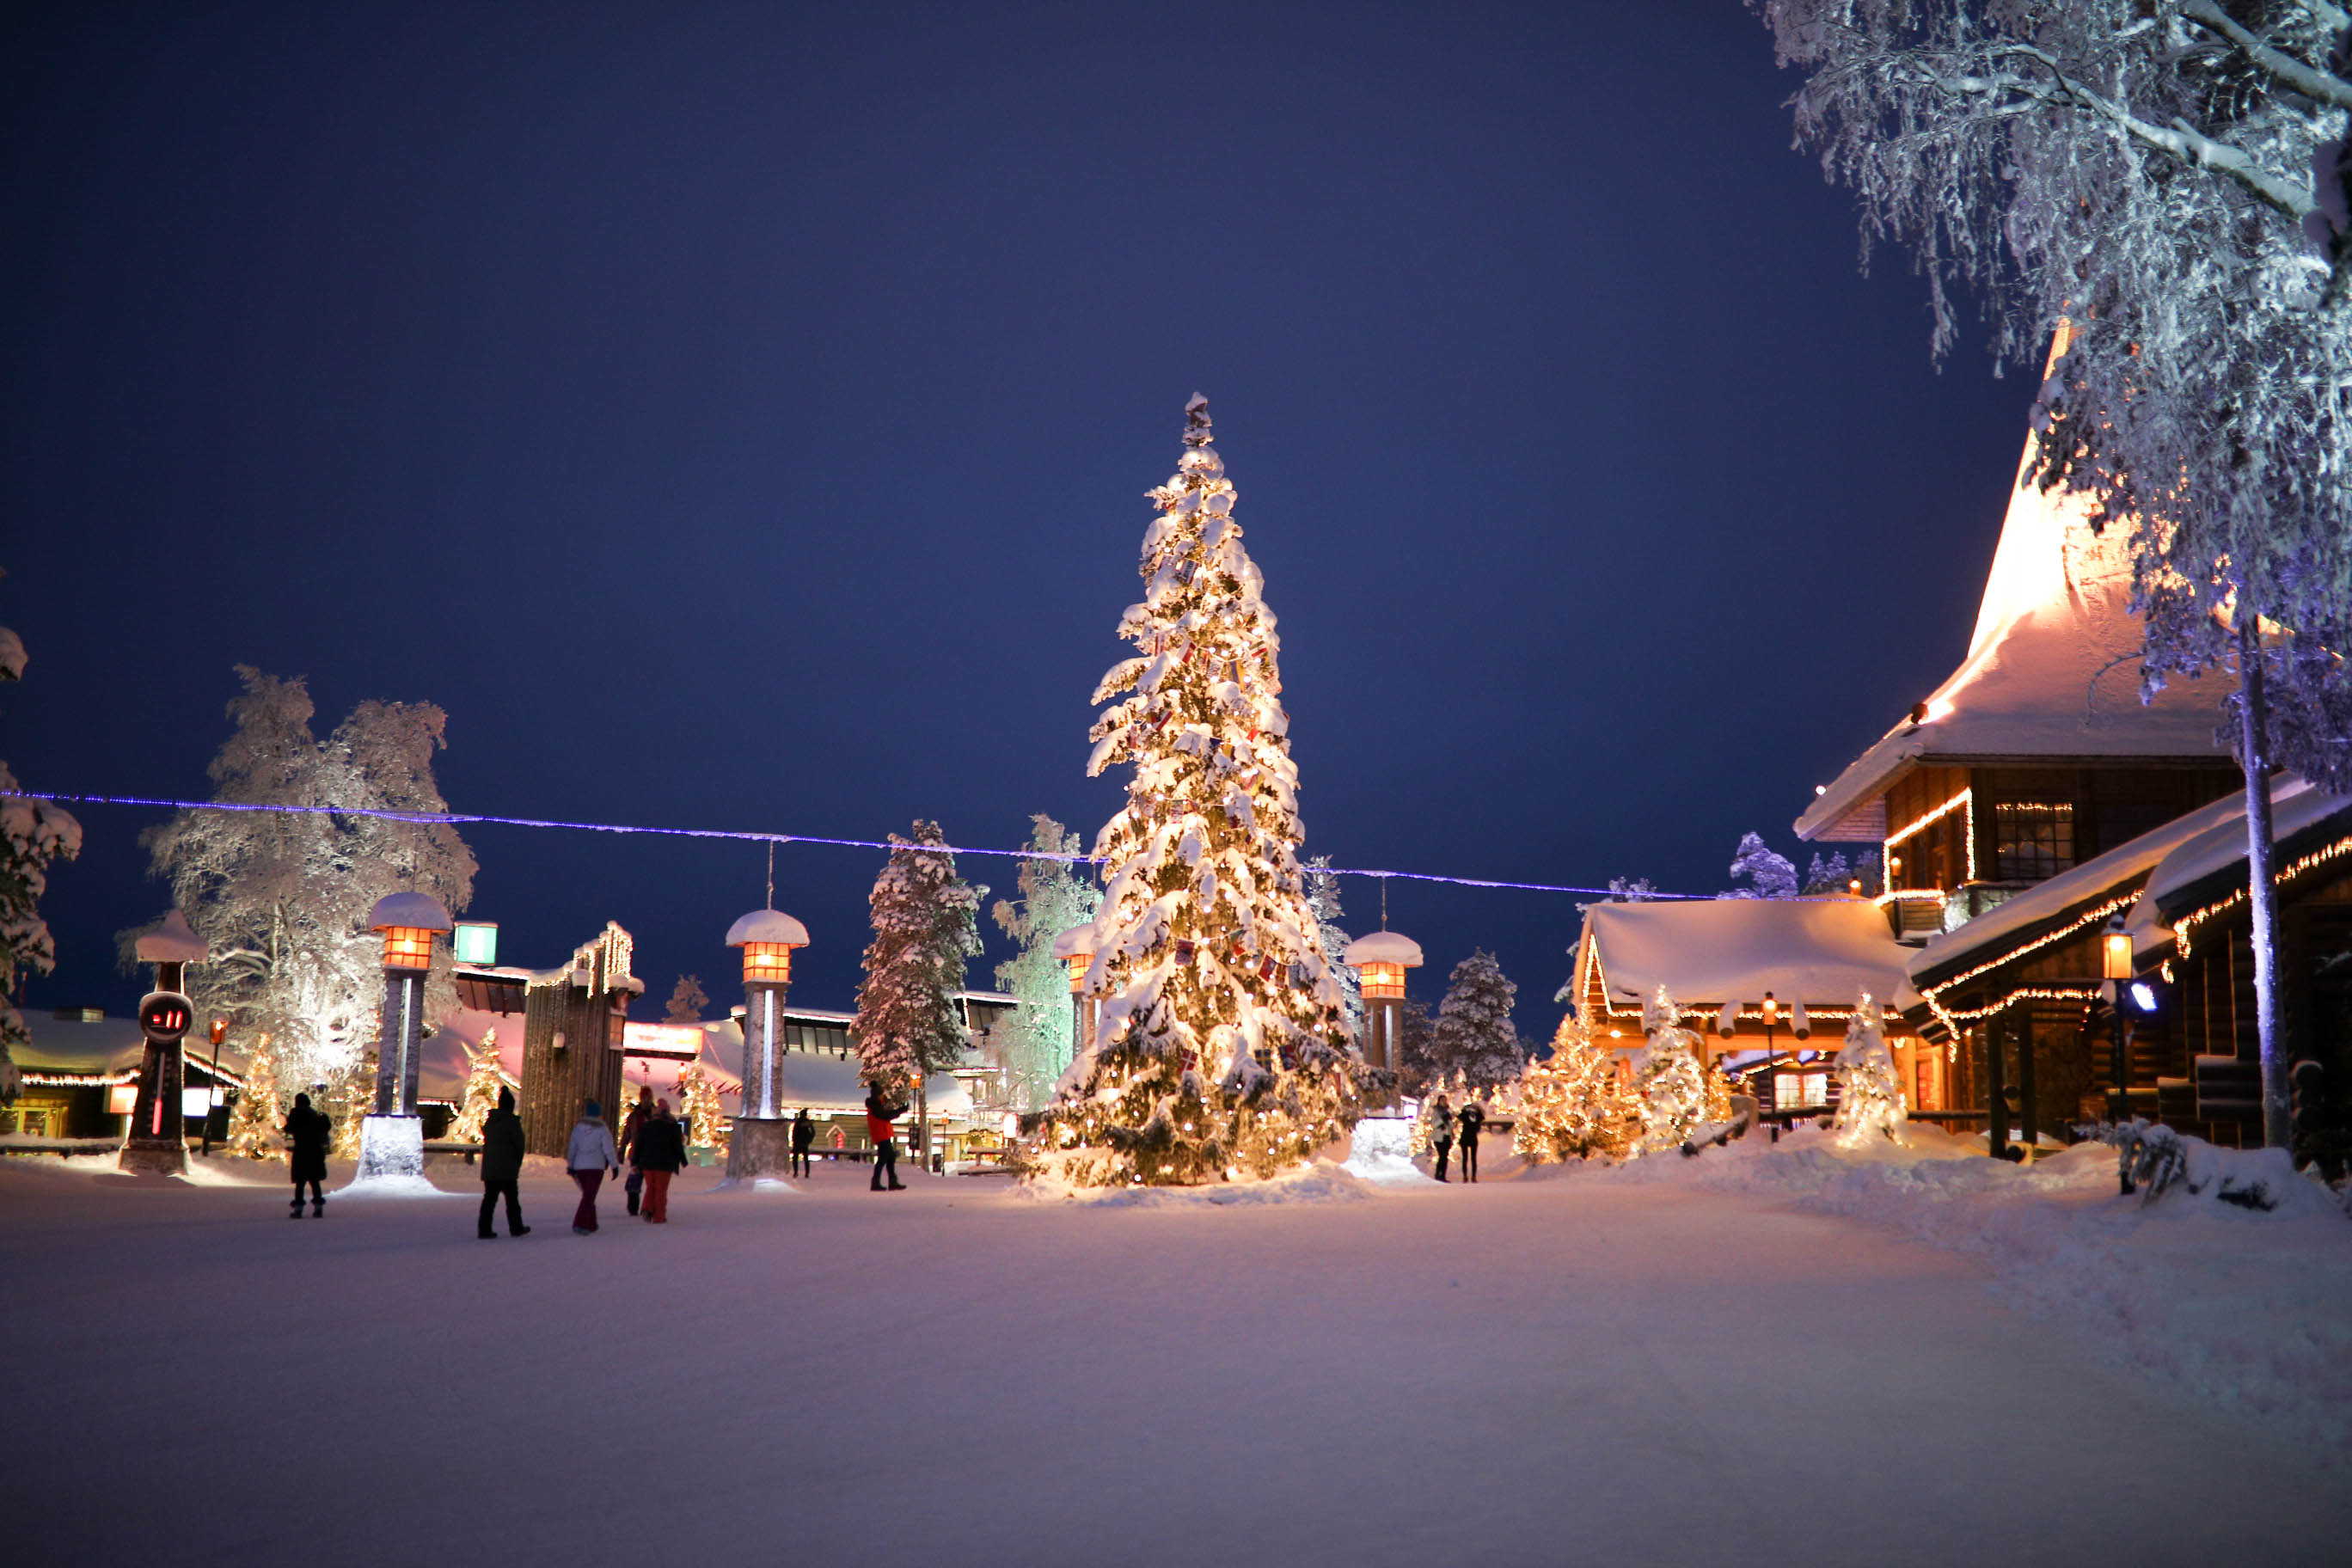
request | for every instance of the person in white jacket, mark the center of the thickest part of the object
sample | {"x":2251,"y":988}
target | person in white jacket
{"x":589,"y":1156}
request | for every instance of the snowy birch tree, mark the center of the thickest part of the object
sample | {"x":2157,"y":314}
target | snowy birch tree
{"x":1475,"y":1035}
{"x":282,"y":898}
{"x":1039,"y":1039}
{"x":1221,"y":1049}
{"x":910,"y":1022}
{"x":33,"y":835}
{"x":2167,"y":185}
{"x":687,"y":1000}
{"x":1768,"y":873}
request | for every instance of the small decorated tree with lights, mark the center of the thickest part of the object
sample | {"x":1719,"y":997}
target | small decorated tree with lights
{"x":256,"y":1127}
{"x":1221,"y":1050}
{"x":698,"y":1103}
{"x":1668,"y":1079}
{"x":484,"y":1079}
{"x":1870,"y":1093}
{"x":1572,"y":1104}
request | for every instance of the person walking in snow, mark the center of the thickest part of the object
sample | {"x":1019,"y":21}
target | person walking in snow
{"x":879,"y":1113}
{"x":660,"y":1151}
{"x":306,"y":1154}
{"x":1469,"y":1122}
{"x":1439,"y":1118}
{"x":804,"y":1134}
{"x":637,"y":1114}
{"x":502,"y":1167}
{"x":590,"y":1155}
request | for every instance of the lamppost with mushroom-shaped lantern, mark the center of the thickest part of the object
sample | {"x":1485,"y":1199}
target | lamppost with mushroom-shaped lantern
{"x":155,"y":1142}
{"x":1380,"y":960}
{"x":761,"y":1143}
{"x":391,"y":1140}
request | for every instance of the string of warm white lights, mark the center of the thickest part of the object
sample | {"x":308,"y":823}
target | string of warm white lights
{"x":456,"y":818}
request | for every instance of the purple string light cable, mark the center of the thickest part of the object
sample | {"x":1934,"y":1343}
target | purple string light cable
{"x":454,"y":817}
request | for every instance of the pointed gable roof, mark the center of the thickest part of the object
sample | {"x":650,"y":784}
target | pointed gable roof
{"x":2052,"y":674}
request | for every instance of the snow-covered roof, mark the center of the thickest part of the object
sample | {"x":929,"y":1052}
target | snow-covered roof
{"x":1078,"y":942}
{"x":171,"y":942}
{"x":2052,"y":671}
{"x":417,"y":911}
{"x":2296,"y":809}
{"x":1823,"y":953}
{"x":2124,"y":866}
{"x":1384,"y":947}
{"x":766,"y":925}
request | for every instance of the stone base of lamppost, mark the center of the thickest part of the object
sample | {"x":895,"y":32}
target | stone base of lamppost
{"x":149,"y":1156}
{"x":392,"y":1147}
{"x":757,"y":1147}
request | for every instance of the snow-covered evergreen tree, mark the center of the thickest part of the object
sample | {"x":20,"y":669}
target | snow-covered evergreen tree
{"x":1870,"y":1094}
{"x":34,"y":833}
{"x":1323,"y":898}
{"x":1475,"y":1035}
{"x":1573,"y":1103}
{"x":1667,"y":1077}
{"x":687,"y":1000}
{"x":1037,"y":1041}
{"x":484,"y":1079}
{"x":1221,"y":1048}
{"x":1770,"y":875}
{"x":2167,"y":185}
{"x":1416,"y":1046}
{"x":282,"y":898}
{"x":910,"y":1022}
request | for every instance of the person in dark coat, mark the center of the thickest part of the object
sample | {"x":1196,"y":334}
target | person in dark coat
{"x":659,"y":1151}
{"x":306,"y":1131}
{"x":643,"y":1109}
{"x":502,"y":1166}
{"x":803,"y":1135}
{"x":1439,"y":1118}
{"x":1467,"y":1123}
{"x":879,"y":1113}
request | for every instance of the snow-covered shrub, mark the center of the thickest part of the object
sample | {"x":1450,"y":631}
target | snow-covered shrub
{"x":1870,"y":1096}
{"x":1668,"y":1079}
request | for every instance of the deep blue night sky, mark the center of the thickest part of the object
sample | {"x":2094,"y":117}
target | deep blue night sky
{"x":739,"y":416}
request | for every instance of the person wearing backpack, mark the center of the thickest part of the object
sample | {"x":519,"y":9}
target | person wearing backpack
{"x":503,"y":1151}
{"x":660,"y":1151}
{"x":589,"y":1155}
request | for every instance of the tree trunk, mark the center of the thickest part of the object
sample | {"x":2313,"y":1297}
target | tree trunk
{"x":2261,"y":890}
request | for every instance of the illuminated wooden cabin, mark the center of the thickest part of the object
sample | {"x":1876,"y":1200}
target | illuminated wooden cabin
{"x":1767,"y":968}
{"x":2037,"y":753}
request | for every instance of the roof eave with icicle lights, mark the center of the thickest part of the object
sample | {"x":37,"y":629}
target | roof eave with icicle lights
{"x":2052,"y":676}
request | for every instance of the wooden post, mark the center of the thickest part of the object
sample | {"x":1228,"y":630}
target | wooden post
{"x":1995,"y":1086}
{"x":2028,"y":1107}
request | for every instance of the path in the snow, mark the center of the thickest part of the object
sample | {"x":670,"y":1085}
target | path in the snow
{"x":1522,"y":1373}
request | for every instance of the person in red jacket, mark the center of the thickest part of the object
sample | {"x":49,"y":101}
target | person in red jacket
{"x":879,"y":1113}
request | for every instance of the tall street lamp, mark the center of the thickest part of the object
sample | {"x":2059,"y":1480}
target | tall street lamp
{"x":1380,"y":960}
{"x":760,"y":1144}
{"x":391,"y":1140}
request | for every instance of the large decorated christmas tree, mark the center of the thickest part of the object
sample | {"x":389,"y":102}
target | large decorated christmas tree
{"x":1221,"y":1050}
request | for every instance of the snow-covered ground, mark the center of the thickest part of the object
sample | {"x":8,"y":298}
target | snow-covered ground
{"x":1752,"y":1357}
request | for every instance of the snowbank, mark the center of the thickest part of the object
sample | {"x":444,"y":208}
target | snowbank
{"x":1320,"y":1182}
{"x":2250,"y":1310}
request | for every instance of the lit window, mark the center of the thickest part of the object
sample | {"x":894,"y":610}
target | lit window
{"x":2031,"y":840}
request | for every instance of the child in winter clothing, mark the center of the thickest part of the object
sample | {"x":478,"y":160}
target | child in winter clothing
{"x":879,"y":1114}
{"x":306,"y":1154}
{"x":502,"y":1166}
{"x":1471,"y":1119}
{"x":589,"y":1156}
{"x":1439,"y":1118}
